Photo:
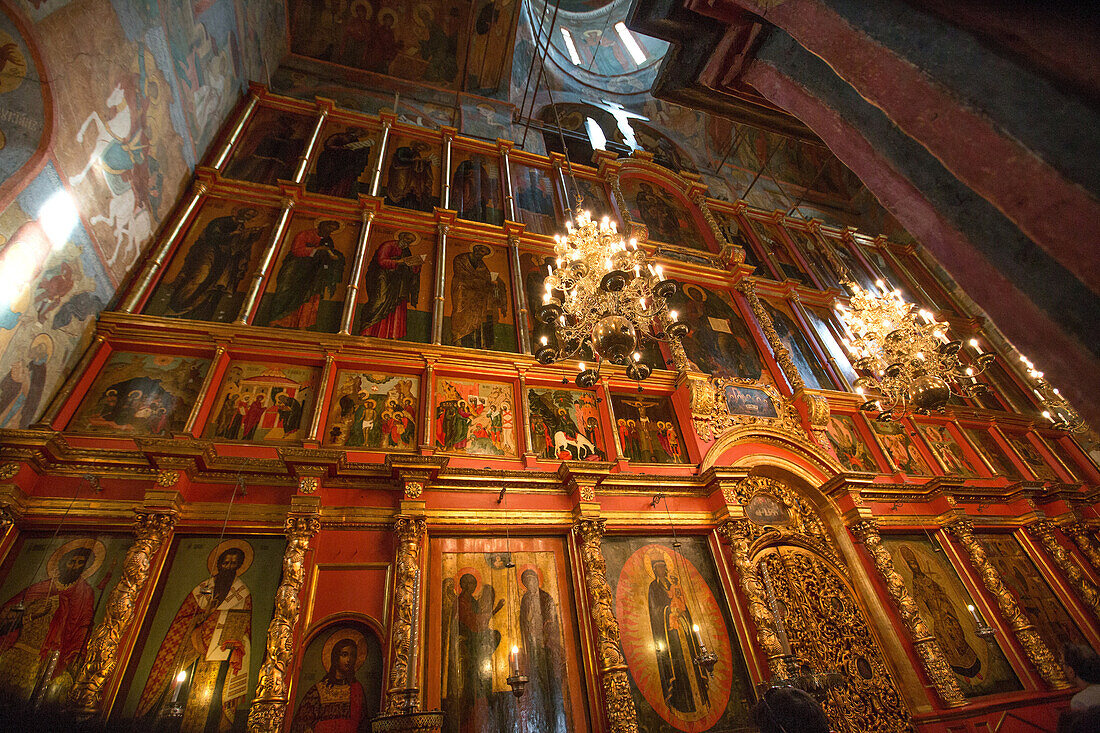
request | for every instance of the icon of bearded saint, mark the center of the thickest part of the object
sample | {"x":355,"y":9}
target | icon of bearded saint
{"x":43,"y":627}
{"x":209,"y":642}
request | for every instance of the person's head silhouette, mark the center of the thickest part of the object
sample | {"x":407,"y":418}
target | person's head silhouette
{"x":789,"y":710}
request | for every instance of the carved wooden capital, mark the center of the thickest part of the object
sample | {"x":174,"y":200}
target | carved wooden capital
{"x":1044,"y":532}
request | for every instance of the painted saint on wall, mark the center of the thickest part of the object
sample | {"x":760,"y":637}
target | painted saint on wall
{"x":141,"y":394}
{"x":749,"y":401}
{"x":802,"y":354}
{"x":340,"y":682}
{"x":533,"y":270}
{"x":1030,"y":455}
{"x":980,"y":667}
{"x":731,"y":231}
{"x":208,"y":274}
{"x":820,"y":319}
{"x":307,"y":290}
{"x":345,"y":162}
{"x":203,"y":647}
{"x":534,"y":196}
{"x":391,"y":297}
{"x":664,"y":215}
{"x":53,"y":593}
{"x":270,"y":148}
{"x":476,"y":189}
{"x":900,"y":449}
{"x":475,"y":418}
{"x":718,"y":342}
{"x":263,"y":403}
{"x":991,"y":450}
{"x":667,"y":603}
{"x":596,"y":200}
{"x":813,"y":250}
{"x":371,"y":410}
{"x":948,"y":450}
{"x":501,"y":610}
{"x":477,"y":313}
{"x":769,"y":238}
{"x":648,"y":431}
{"x":412,"y":173}
{"x":848,"y":445}
{"x":565,"y":425}
{"x":854,"y":265}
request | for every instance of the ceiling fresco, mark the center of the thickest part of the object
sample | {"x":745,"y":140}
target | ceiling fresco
{"x":452,"y":44}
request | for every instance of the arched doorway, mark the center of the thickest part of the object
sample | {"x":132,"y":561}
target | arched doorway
{"x":810,"y":620}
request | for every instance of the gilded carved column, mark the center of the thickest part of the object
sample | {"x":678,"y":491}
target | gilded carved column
{"x":928,"y":650}
{"x":151,"y":529}
{"x":1034,"y":646}
{"x":782,"y":355}
{"x":1044,"y":532}
{"x":736,"y":534}
{"x":401,"y":694}
{"x":618,"y":701}
{"x":268,"y":710}
{"x":1080,"y":534}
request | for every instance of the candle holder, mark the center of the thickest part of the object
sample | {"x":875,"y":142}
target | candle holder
{"x":705,"y":659}
{"x":518,"y":682}
{"x":981,"y":628}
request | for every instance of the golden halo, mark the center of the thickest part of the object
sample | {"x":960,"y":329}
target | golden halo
{"x":384,"y":12}
{"x":93,"y":564}
{"x":45,"y":342}
{"x":702,"y":293}
{"x":657,"y":553}
{"x":338,"y":636}
{"x":242,"y":545}
{"x":369,"y":8}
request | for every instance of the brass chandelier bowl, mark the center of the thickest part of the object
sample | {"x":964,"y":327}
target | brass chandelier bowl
{"x":906,"y":361}
{"x":604,"y":300}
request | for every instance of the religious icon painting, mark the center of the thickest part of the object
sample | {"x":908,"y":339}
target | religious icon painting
{"x":648,"y":430}
{"x":879,"y":261}
{"x":396,"y":291}
{"x":663,"y":213}
{"x":475,"y":418}
{"x":533,"y":269}
{"x":669,"y":604}
{"x":733,"y":233}
{"x":1068,"y":456}
{"x":202,"y":644}
{"x":535,"y":197}
{"x":596,"y":201}
{"x":814,"y":252}
{"x":852,"y":263}
{"x":54,"y":591}
{"x":768,"y":235}
{"x":476,"y":189}
{"x":929,"y":286}
{"x":823,"y":323}
{"x":271,"y":146}
{"x":749,"y":401}
{"x":848,"y":445}
{"x":210,"y":269}
{"x":505,"y":606}
{"x":950,"y":454}
{"x":944,"y":605}
{"x":373,"y":411}
{"x":141,"y":394}
{"x":477,"y":310}
{"x":1041,"y":607}
{"x":410,"y":178}
{"x":565,"y":425}
{"x":1030,"y":455}
{"x":263,"y":403}
{"x":345,"y":161}
{"x":339,"y":684}
{"x":900,"y":448}
{"x":719,"y":342}
{"x":802,"y":353}
{"x":995,"y":456}
{"x":310,"y":275}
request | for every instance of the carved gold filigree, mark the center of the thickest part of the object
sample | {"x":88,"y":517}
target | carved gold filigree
{"x":410,"y":535}
{"x":1043,"y":531}
{"x":730,"y":252}
{"x":308,"y":484}
{"x":167,"y":479}
{"x":739,"y":534}
{"x":1033,"y":645}
{"x":151,"y":530}
{"x":621,"y":716}
{"x":782,"y":355}
{"x":711,"y":416}
{"x":8,"y":471}
{"x":805,"y":527}
{"x":1082,"y":537}
{"x":413,"y":489}
{"x":928,"y":650}
{"x":269,"y":707}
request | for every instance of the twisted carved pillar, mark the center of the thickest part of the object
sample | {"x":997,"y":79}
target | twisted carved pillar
{"x":268,"y":710}
{"x":931,"y":656}
{"x":1044,"y":532}
{"x":151,"y":530}
{"x":1033,"y":645}
{"x":621,"y":717}
{"x":400,"y":694}
{"x":736,"y":534}
{"x":1080,"y":534}
{"x":782,"y":354}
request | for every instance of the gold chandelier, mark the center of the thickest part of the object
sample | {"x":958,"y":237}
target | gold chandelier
{"x":604,"y":298}
{"x":1056,"y":408}
{"x":907,"y":362}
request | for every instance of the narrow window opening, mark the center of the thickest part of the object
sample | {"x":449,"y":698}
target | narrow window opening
{"x":630,"y":42}
{"x":595,"y":134}
{"x":572,"y":47}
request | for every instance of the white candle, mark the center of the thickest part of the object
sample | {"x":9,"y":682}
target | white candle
{"x":974,"y":345}
{"x":515,"y":660}
{"x":974,"y":613}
